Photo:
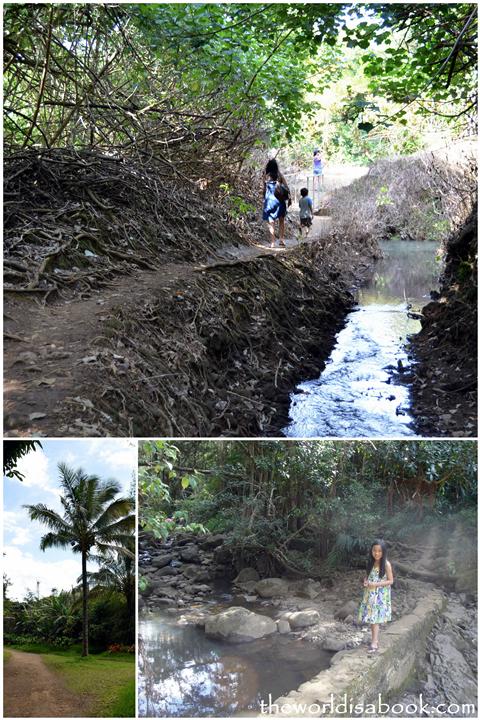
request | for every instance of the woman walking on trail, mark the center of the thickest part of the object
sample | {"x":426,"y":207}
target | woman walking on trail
{"x":275,"y":197}
{"x":317,"y":169}
{"x":376,"y":606}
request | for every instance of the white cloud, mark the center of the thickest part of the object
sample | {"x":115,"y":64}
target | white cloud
{"x":34,"y":468}
{"x":14,"y":524}
{"x":71,"y":459}
{"x":23,"y":570}
{"x":116,"y":454}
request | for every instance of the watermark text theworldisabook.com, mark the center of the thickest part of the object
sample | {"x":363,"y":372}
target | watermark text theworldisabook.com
{"x":342,"y":705}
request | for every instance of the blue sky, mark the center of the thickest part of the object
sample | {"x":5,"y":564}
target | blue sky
{"x":23,"y":562}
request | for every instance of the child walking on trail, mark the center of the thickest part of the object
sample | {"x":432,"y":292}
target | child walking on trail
{"x":376,"y":606}
{"x":306,"y":211}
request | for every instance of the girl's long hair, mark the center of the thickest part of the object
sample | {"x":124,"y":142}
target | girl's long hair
{"x":383,"y":559}
{"x":272,"y":169}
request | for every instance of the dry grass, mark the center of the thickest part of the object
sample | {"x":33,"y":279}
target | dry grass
{"x":423,"y":197}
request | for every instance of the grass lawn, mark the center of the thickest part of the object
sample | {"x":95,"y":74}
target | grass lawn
{"x":107,"y":680}
{"x":6,"y":656}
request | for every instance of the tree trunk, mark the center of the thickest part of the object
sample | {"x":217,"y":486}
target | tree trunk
{"x":84,"y":605}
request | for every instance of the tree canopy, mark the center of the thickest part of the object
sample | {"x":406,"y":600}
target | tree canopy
{"x":305,"y":499}
{"x":221,"y":78}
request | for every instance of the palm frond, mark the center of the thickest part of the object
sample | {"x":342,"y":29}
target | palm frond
{"x":123,"y":524}
{"x":56,"y":540}
{"x":47,"y":516}
{"x":105,"y":546}
{"x":115,"y":509}
{"x":69,"y":482}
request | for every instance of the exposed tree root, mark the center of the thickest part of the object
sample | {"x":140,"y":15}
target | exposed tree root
{"x":71,"y":219}
{"x":219,"y":357}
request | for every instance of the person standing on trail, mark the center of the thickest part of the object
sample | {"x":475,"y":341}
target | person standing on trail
{"x":276,"y":194}
{"x":317,"y":169}
{"x":376,"y":605}
{"x":306,"y":211}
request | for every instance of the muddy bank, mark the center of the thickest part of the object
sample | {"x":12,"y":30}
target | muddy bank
{"x":445,"y":378}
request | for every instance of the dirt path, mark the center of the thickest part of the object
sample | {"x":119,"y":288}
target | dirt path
{"x":49,"y":351}
{"x":32,"y":690}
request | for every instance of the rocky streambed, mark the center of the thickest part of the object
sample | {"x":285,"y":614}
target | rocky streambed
{"x":211,"y":633}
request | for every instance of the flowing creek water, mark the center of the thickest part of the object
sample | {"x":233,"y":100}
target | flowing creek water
{"x":184,"y":673}
{"x":360,"y":392}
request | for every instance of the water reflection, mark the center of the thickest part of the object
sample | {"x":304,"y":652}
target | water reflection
{"x":356,"y":395}
{"x":183,"y":673}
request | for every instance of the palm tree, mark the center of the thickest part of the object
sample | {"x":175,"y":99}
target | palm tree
{"x":117,"y":573}
{"x":94,"y":519}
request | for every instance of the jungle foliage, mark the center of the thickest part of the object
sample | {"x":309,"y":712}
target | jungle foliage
{"x":15,"y":450}
{"x":193,"y":84}
{"x":297,"y":501}
{"x":56,"y":620}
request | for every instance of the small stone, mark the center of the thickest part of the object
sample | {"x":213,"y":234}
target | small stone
{"x":37,"y":416}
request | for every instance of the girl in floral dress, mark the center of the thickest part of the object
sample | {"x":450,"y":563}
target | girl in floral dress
{"x":376,"y":606}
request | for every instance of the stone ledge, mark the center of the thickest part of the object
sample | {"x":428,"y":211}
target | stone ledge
{"x":360,"y":678}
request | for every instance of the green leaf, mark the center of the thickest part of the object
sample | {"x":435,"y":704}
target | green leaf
{"x":366,"y":126}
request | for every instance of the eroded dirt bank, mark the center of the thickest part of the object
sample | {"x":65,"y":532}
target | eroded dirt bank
{"x":445,"y":381}
{"x":124,"y":318}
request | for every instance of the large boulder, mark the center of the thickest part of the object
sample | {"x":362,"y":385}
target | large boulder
{"x":349,"y":608}
{"x":165,"y":591}
{"x":212,"y":541}
{"x":272,"y":587}
{"x":196,"y":573}
{"x":333,"y":644}
{"x":190,"y":553}
{"x":302,"y":618}
{"x":248,"y":574}
{"x":161,"y":561}
{"x":306,"y":588}
{"x":248,"y":586}
{"x":239,"y":625}
{"x":166,"y":571}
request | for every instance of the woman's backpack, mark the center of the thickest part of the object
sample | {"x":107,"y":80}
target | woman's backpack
{"x":281,"y":191}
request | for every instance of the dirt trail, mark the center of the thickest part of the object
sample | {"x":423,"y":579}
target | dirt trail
{"x":32,"y":690}
{"x":49,"y":348}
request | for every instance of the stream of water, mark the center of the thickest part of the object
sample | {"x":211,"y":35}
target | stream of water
{"x":359,"y":393}
{"x":184,"y":673}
